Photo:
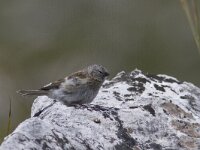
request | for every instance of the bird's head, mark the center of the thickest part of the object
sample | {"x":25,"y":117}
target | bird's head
{"x":97,"y":72}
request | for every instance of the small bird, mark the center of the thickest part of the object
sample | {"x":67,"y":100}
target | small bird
{"x":78,"y":88}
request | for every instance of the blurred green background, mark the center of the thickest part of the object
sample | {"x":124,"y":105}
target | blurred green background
{"x":41,"y":41}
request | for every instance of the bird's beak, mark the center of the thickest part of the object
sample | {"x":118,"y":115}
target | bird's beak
{"x":106,"y":74}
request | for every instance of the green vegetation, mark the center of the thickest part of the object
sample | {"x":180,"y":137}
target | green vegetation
{"x":9,"y":117}
{"x":191,"y":8}
{"x":2,"y":129}
{"x":42,"y":41}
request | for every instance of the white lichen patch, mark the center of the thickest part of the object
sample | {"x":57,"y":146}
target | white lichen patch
{"x":131,"y":111}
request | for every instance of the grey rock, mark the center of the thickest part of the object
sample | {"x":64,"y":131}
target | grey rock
{"x":132,"y":111}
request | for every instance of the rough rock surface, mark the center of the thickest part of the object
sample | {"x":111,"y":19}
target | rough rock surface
{"x":132,"y":111}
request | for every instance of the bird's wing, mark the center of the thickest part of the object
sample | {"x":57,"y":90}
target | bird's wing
{"x":79,"y":80}
{"x":53,"y":85}
{"x":76,"y":80}
{"x":79,"y":75}
{"x":70,"y":83}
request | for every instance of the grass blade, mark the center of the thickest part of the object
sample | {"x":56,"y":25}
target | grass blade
{"x":191,"y":9}
{"x":9,"y":117}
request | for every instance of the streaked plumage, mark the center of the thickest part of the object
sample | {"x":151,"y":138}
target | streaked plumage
{"x":78,"y":88}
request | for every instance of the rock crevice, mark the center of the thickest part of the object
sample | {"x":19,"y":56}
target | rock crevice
{"x":132,"y":111}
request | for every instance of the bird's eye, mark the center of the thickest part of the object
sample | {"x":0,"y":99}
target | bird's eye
{"x":100,"y":72}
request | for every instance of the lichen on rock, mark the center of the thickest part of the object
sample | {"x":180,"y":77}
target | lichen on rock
{"x":132,"y":111}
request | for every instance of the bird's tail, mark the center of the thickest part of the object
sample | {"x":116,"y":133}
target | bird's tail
{"x":32,"y":92}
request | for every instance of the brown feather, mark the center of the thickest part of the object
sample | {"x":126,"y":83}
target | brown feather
{"x":79,"y":74}
{"x":53,"y":85}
